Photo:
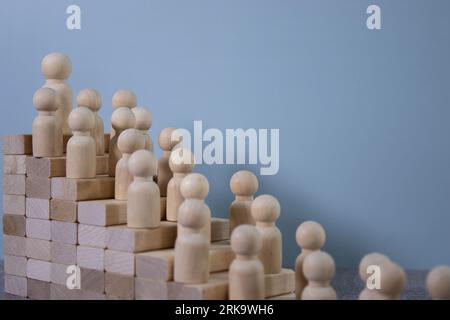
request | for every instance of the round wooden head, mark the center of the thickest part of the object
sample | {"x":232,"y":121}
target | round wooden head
{"x":124,"y":98}
{"x":193,"y":214}
{"x":194,"y":186}
{"x":143,"y":118}
{"x":56,"y":66}
{"x":122,"y":118}
{"x":246,"y":240}
{"x":393,"y":279}
{"x":371,"y":259}
{"x":181,"y":161}
{"x":265,"y":209}
{"x":244,"y":183}
{"x":165,"y":139}
{"x":143,"y":164}
{"x":438,"y":283}
{"x":81,"y":119}
{"x":89,"y":98}
{"x":130,"y":140}
{"x":310,"y":235}
{"x":319,"y":267}
{"x":45,"y":99}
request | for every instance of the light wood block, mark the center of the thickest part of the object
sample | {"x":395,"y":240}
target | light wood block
{"x":220,"y":229}
{"x":61,"y":292}
{"x":91,"y":258}
{"x":13,"y":204}
{"x":90,"y":295}
{"x":16,"y":285}
{"x":65,"y":232}
{"x":62,"y":210}
{"x":38,"y":249}
{"x":146,"y":289}
{"x":101,"y":187}
{"x":38,"y":229}
{"x":280,"y":283}
{"x":19,"y":144}
{"x":15,"y":266}
{"x":63,"y":253}
{"x":92,"y":236}
{"x":119,"y":286}
{"x":120,"y":262}
{"x":14,"y":184}
{"x":59,"y":274}
{"x":288,"y":296}
{"x":37,"y":187}
{"x":39,"y":270}
{"x":14,"y":164}
{"x":102,"y":212}
{"x":14,"y":245}
{"x":215,"y":289}
{"x":38,"y":208}
{"x":14,"y":225}
{"x":92,"y":280}
{"x":38,"y":290}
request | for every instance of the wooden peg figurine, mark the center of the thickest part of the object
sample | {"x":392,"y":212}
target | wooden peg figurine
{"x":121,"y":119}
{"x":438,"y":283}
{"x":122,"y":99}
{"x":143,"y":124}
{"x":143,"y":207}
{"x":246,"y":274}
{"x":56,"y":68}
{"x":91,"y":98}
{"x":367,"y":262}
{"x":81,"y":158}
{"x":310,"y":237}
{"x":164,"y":172}
{"x":194,"y":188}
{"x":319,"y":270}
{"x":265,"y":211}
{"x":46,"y":130}
{"x":243,"y":185}
{"x":191,"y":262}
{"x":392,"y":282}
{"x":181,"y":162}
{"x":130,"y":140}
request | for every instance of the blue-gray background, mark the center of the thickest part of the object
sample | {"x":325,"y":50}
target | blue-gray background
{"x":364,"y":115}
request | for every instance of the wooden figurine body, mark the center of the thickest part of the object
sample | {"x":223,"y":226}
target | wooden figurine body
{"x":143,"y":124}
{"x":392,"y":283}
{"x":371,"y":259}
{"x":181,"y":162}
{"x":310,"y":237}
{"x":265,"y":211}
{"x":122,"y":99}
{"x":246,"y":273}
{"x":438,"y":283}
{"x":46,"y":130}
{"x":121,"y":119}
{"x":319,"y":269}
{"x":129,"y":141}
{"x":164,"y":172}
{"x":56,"y":68}
{"x":81,"y":151}
{"x":143,"y":207}
{"x":243,"y":185}
{"x":91,"y":98}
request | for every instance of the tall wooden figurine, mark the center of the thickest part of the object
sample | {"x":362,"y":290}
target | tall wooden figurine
{"x":243,"y":185}
{"x":375,"y":260}
{"x":130,"y":140}
{"x":81,"y":158}
{"x":47,"y":133}
{"x":164,"y":172}
{"x":143,"y":208}
{"x":122,"y":99}
{"x":266,"y":210}
{"x":319,"y":270}
{"x":56,"y":68}
{"x":310,"y":237}
{"x":121,"y":119}
{"x":246,"y":274}
{"x":143,"y":124}
{"x":91,"y":98}
{"x":438,"y":283}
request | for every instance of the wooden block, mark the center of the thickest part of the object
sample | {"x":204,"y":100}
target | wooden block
{"x":65,"y":232}
{"x":59,"y":273}
{"x":14,"y":184}
{"x":14,"y":245}
{"x":122,"y":238}
{"x":288,"y":296}
{"x":38,"y":229}
{"x":38,"y":249}
{"x":220,"y":229}
{"x":38,"y":208}
{"x":39,"y":270}
{"x":280,"y":283}
{"x":107,"y":138}
{"x":90,"y":295}
{"x":19,"y":144}
{"x":38,"y":290}
{"x":13,"y":204}
{"x":101,"y":187}
{"x":92,"y":280}
{"x":37,"y":187}
{"x":15,"y":266}
{"x":91,"y":258}
{"x":119,"y":286}
{"x":62,"y":210}
{"x":14,"y":225}
{"x":14,"y":164}
{"x":61,"y":292}
{"x":102,"y":164}
{"x":215,"y":289}
{"x":102,"y":212}
{"x":146,"y":289}
{"x":120,"y":262}
{"x":92,"y":236}
{"x":16,"y":285}
{"x":63,"y":253}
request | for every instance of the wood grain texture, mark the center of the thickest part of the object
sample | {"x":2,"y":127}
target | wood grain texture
{"x":102,"y":212}
{"x":39,"y":270}
{"x":14,"y":245}
{"x":119,"y":286}
{"x":38,"y":290}
{"x":146,"y":289}
{"x":100,"y":187}
{"x":16,"y":285}
{"x":38,"y":229}
{"x":18,"y":144}
{"x":38,"y":249}
{"x":65,"y":232}
{"x":37,"y":187}
{"x":13,"y":204}
{"x":14,"y":184}
{"x":13,"y":164}
{"x":215,"y":289}
{"x":120,"y":262}
{"x":38,"y":208}
{"x":58,"y":273}
{"x":92,"y":280}
{"x":91,"y":258}
{"x":61,"y":292}
{"x":92,"y":236}
{"x":62,"y":210}
{"x":287,"y":296}
{"x":14,"y":225}
{"x":280,"y":283}
{"x":15,"y":266}
{"x":220,"y":229}
{"x":63,"y":253}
